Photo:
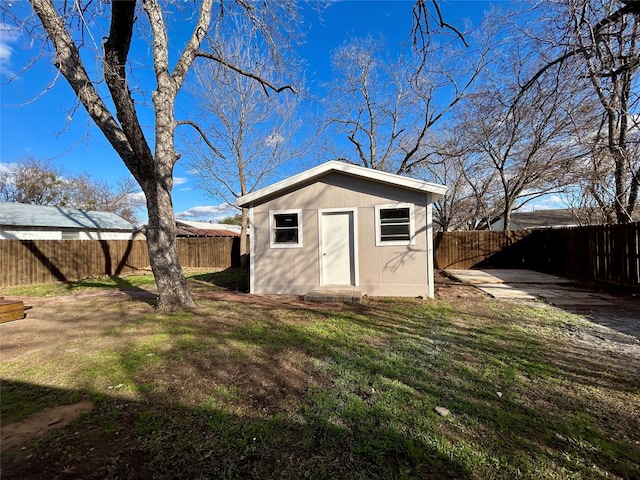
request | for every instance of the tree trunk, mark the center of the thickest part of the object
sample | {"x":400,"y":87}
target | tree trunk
{"x":163,"y":255}
{"x":506,"y":218}
{"x":153,"y":172}
{"x":161,"y":239}
{"x":244,"y":228}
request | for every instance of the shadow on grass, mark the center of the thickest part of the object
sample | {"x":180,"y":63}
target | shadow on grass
{"x":252,"y":392}
{"x":152,"y":439}
{"x":122,"y":284}
{"x":234,"y":279}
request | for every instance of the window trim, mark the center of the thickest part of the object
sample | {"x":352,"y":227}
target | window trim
{"x":272,"y":226}
{"x":412,"y":225}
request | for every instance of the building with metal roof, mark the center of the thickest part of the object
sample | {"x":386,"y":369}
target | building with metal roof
{"x":22,"y":221}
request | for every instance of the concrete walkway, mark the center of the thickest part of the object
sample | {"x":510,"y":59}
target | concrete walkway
{"x":529,"y":285}
{"x":346,"y":295}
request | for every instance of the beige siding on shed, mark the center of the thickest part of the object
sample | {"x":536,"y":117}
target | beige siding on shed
{"x":382,"y":271}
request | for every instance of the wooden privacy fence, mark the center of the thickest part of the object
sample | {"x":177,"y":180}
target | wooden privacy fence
{"x":478,"y":249}
{"x":26,"y":262}
{"x":609,"y":253}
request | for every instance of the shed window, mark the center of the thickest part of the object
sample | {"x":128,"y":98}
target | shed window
{"x":394,"y":224}
{"x":286,"y":229}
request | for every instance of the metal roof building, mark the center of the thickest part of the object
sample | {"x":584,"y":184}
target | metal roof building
{"x":21,"y":221}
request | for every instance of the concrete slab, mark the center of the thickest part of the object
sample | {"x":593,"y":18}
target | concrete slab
{"x":334,"y":295}
{"x":505,"y":276}
{"x":563,"y":292}
{"x":583,"y":302}
{"x":506,"y":292}
{"x":529,"y":285}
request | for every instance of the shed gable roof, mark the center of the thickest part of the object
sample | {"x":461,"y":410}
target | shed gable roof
{"x":45,"y":216}
{"x":314,"y":174}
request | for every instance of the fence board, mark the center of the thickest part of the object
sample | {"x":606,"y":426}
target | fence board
{"x":27,"y":262}
{"x":478,"y":249}
{"x":609,"y":253}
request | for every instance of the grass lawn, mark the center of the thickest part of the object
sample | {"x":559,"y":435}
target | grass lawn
{"x":241,"y":389}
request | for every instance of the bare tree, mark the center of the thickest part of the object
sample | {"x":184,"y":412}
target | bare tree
{"x":427,"y":21}
{"x":591,"y":195}
{"x":247,"y":134}
{"x":382,"y":108}
{"x":607,"y":38}
{"x":68,"y":30}
{"x":599,"y":40}
{"x":472,"y":201}
{"x":33,"y":180}
{"x":526,"y":140}
{"x":89,"y":194}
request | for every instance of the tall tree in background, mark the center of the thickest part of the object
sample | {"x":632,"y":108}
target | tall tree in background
{"x":473,"y":198}
{"x":607,"y":36}
{"x":41,"y":182}
{"x":247,"y":133}
{"x":529,"y":143}
{"x":67,"y":26}
{"x":598,"y":42}
{"x":382,"y":108}
{"x":31,"y":180}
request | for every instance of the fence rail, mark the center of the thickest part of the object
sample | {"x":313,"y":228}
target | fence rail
{"x":609,"y":253}
{"x":26,"y":262}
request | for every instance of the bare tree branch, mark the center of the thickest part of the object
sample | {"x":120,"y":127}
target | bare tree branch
{"x":203,"y":135}
{"x":265,"y":83}
{"x":421,"y":32}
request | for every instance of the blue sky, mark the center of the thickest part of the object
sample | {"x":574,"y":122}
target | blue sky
{"x":40,"y":121}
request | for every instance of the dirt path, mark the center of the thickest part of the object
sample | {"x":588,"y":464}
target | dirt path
{"x":59,"y":322}
{"x":40,"y":423}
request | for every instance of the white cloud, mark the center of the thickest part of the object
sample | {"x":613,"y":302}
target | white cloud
{"x":138,"y":196}
{"x":8,"y":36}
{"x":546,"y":202}
{"x":208,"y":212}
{"x":180,"y":180}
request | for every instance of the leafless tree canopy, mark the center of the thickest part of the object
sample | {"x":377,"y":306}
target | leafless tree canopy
{"x":382,"y":109}
{"x":74,"y":30}
{"x":245,"y":134}
{"x":598,"y":40}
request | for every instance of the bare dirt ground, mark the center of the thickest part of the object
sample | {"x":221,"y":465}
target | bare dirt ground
{"x":40,"y":423}
{"x":56,"y":323}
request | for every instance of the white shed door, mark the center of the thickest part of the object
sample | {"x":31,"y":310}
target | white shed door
{"x":337,"y":248}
